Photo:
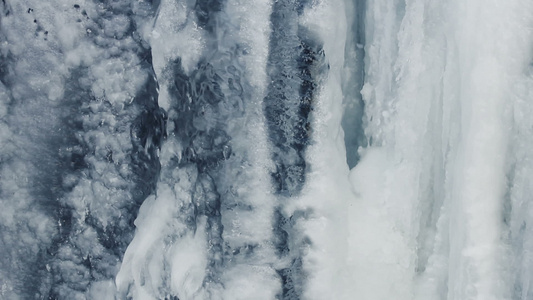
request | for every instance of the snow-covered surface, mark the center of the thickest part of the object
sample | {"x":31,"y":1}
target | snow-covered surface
{"x":310,"y":149}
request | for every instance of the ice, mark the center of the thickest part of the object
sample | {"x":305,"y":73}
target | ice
{"x":181,"y":264}
{"x":288,"y":149}
{"x":442,"y":122}
{"x":188,"y":258}
{"x":381,"y":244}
{"x":173,"y":26}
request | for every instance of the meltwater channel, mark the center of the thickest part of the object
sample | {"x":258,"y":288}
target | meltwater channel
{"x":266,"y":149}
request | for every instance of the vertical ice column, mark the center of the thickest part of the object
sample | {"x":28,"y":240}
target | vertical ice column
{"x":398,"y":95}
{"x":301,"y":89}
{"x":207,"y":231}
{"x":492,"y":50}
{"x":317,"y":229}
{"x":518,"y":213}
{"x":248,"y":205}
{"x":352,"y":80}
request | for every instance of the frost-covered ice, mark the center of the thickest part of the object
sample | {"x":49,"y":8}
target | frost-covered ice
{"x":288,"y":149}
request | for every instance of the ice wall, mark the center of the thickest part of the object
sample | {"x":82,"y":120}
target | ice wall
{"x":435,"y":215}
{"x":288,"y":149}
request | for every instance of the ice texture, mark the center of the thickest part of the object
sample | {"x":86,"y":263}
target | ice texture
{"x":266,"y":149}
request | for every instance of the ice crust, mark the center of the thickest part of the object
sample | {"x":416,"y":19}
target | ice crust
{"x":289,"y":149}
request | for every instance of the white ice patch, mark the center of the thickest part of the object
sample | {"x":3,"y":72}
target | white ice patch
{"x":326,"y":195}
{"x":381,"y":254}
{"x":436,"y":99}
{"x":176,"y":34}
{"x":164,"y":253}
{"x":117,"y":80}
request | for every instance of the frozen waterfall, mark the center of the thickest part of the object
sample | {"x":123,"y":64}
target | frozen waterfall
{"x":266,"y":149}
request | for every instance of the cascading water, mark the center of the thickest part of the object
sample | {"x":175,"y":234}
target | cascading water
{"x":266,"y":149}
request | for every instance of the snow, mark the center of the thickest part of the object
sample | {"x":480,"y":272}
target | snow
{"x":440,"y":129}
{"x":418,"y":163}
